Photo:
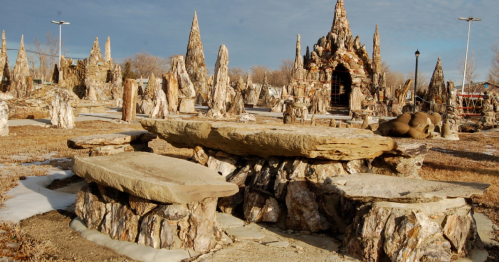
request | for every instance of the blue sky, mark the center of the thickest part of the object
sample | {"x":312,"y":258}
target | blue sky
{"x":262,"y":32}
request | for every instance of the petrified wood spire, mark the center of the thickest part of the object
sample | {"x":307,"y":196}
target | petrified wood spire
{"x":21,"y":73}
{"x":4,"y":65}
{"x":194,"y":60}
{"x":219,"y":91}
{"x":95,"y":53}
{"x":437,"y":90}
{"x":107,"y":51}
{"x":186,"y":93}
{"x":341,"y":26}
{"x":298,"y":57}
{"x":377,"y":67}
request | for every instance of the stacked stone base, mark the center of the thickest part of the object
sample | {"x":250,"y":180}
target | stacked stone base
{"x":437,"y":231}
{"x":130,"y":218}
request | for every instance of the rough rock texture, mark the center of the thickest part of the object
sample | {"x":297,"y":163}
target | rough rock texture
{"x":412,"y":232}
{"x":221,"y":79}
{"x":129,"y":100}
{"x":110,"y":144}
{"x":38,"y":104}
{"x":365,"y":187}
{"x":127,"y":137}
{"x":251,"y":96}
{"x":4,"y":118}
{"x":437,"y":91}
{"x":194,"y":61}
{"x":170,"y":88}
{"x":298,"y":56}
{"x":160,"y":109}
{"x":237,"y":105}
{"x":126,"y":217}
{"x":452,"y":119}
{"x":21,"y":86}
{"x":405,"y":161}
{"x":107,"y":51}
{"x":146,"y":102}
{"x":265,"y":93}
{"x":268,"y":140}
{"x":61,"y":112}
{"x":186,"y":93}
{"x":488,"y":114}
{"x":4,"y":65}
{"x":154,"y":177}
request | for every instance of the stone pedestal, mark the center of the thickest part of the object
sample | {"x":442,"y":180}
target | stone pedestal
{"x":160,"y":225}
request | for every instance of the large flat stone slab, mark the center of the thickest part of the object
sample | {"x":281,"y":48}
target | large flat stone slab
{"x":377,"y":188}
{"x":266,"y":140}
{"x":154,"y":177}
{"x":122,"y":138}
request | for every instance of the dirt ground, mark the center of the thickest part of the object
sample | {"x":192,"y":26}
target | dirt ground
{"x":47,"y":237}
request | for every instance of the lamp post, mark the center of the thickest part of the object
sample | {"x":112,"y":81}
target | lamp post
{"x":469,"y":19}
{"x":416,"y":80}
{"x":60,"y":23}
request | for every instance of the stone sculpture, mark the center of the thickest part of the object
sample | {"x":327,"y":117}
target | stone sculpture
{"x":220,"y":84}
{"x":21,"y":86}
{"x":237,"y":105}
{"x":129,"y":100}
{"x":4,"y":113}
{"x":195,"y":63}
{"x":419,"y":125}
{"x":186,"y":93}
{"x":61,"y":112}
{"x":437,"y":91}
{"x":4,"y":65}
{"x":488,"y":114}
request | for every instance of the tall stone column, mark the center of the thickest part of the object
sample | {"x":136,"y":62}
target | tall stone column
{"x":129,"y":100}
{"x":4,"y":117}
{"x":219,"y":91}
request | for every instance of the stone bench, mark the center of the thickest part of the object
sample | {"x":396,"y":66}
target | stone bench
{"x":109,"y":144}
{"x":406,"y":219}
{"x":150,"y":199}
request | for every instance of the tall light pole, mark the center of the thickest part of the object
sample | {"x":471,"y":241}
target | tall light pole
{"x":416,"y":80}
{"x":469,"y":19}
{"x":60,"y":23}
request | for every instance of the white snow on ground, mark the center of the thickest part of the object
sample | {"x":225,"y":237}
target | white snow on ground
{"x":31,"y":197}
{"x":37,"y":163}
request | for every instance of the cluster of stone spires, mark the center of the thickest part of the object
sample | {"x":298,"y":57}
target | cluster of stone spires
{"x":339,"y":47}
{"x":336,"y":46}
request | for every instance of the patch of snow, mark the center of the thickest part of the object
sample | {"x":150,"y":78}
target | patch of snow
{"x":489,"y":152}
{"x":31,"y":197}
{"x":37,"y":163}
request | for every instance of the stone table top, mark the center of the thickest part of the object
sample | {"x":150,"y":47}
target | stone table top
{"x":376,"y":188}
{"x":154,"y":177}
{"x":266,"y":140}
{"x":110,"y":139}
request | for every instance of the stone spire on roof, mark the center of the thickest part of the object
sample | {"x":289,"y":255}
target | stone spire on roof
{"x":95,"y":53}
{"x":298,"y":57}
{"x":194,"y":60}
{"x":107,"y":50}
{"x":341,"y":26}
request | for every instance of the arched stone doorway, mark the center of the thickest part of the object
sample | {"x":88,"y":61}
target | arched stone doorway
{"x":341,"y":86}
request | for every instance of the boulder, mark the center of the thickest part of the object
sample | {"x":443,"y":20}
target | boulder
{"x":266,"y":140}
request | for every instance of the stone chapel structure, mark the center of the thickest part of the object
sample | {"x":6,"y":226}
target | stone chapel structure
{"x":338,"y":70}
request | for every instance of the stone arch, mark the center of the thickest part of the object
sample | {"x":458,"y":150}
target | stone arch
{"x":341,"y":86}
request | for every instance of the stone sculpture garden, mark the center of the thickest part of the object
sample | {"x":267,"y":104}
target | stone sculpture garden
{"x":351,"y":179}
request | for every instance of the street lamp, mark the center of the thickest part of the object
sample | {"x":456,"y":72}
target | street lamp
{"x":60,"y":25}
{"x":469,"y":19}
{"x":416,"y":80}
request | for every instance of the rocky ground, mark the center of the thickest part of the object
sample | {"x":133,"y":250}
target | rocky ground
{"x":47,"y":237}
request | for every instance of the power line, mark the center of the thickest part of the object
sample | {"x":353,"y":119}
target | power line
{"x":34,"y":52}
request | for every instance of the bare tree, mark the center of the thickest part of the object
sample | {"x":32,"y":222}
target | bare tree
{"x":47,"y":54}
{"x":471,"y":74}
{"x":258,"y":72}
{"x":494,"y":69}
{"x":423,"y":83}
{"x":392,"y":78}
{"x":143,"y":64}
{"x":235,"y":73}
